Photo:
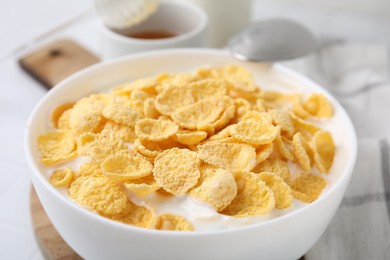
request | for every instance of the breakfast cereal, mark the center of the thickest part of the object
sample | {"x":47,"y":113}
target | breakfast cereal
{"x":176,"y":150}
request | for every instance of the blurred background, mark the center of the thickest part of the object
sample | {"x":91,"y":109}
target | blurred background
{"x":350,"y":20}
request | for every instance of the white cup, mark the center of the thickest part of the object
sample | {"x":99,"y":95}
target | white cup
{"x":186,"y":21}
{"x":226,"y":18}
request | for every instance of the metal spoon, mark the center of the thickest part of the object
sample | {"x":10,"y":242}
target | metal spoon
{"x":272,"y":40}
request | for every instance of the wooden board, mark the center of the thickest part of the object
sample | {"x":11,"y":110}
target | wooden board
{"x":50,"y":242}
{"x":52,"y":63}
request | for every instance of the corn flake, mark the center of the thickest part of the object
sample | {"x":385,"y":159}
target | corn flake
{"x":300,"y":152}
{"x":86,"y":114}
{"x":136,"y":216}
{"x":218,"y":188}
{"x":282,"y":192}
{"x":56,"y":147}
{"x":298,"y":109}
{"x":147,"y":148}
{"x":282,"y":118}
{"x":263,"y":152}
{"x":323,"y":150}
{"x":238,"y":78}
{"x":172,"y":222}
{"x":319,"y":106}
{"x":174,"y":98}
{"x":199,"y":115}
{"x":155,"y":129}
{"x":149,"y":109}
{"x":63,"y":120}
{"x":275,"y":166}
{"x":100,"y":194}
{"x":307,"y":187}
{"x":89,"y":169}
{"x":62,"y":177}
{"x":190,"y":137}
{"x":253,"y":197}
{"x":229,"y":156}
{"x":98,"y":146}
{"x":58,"y":112}
{"x":255,"y":132}
{"x":176,"y":170}
{"x":126,"y":167}
{"x":121,"y":114}
{"x":304,"y":127}
{"x":142,"y":186}
{"x":282,"y":148}
{"x":146,"y":85}
{"x":126,"y":133}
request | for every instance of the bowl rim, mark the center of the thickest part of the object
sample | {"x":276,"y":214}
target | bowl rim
{"x":345,"y":176}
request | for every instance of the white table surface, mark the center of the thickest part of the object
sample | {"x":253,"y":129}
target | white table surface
{"x":23,"y":21}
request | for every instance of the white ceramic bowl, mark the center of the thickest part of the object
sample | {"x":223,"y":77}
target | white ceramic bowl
{"x":94,"y":237}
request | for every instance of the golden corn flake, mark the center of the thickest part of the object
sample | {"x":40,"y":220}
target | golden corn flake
{"x":149,"y":109}
{"x":146,"y":85}
{"x":263,"y":152}
{"x":307,"y":187}
{"x":253,"y":197}
{"x":227,"y":115}
{"x":62,"y":177}
{"x":155,"y":129}
{"x":255,"y":132}
{"x":262,"y":117}
{"x":142,"y":186}
{"x":174,"y":98}
{"x":56,"y":147}
{"x":275,"y":166}
{"x":238,"y":78}
{"x":304,"y":127}
{"x":172,"y":222}
{"x":300,"y":152}
{"x":138,"y":95}
{"x":190,"y":137}
{"x":98,"y":146}
{"x":229,"y":156}
{"x":207,"y":88}
{"x":176,"y":170}
{"x":323,"y":150}
{"x":276,"y":98}
{"x":224,"y":133}
{"x":282,"y":148}
{"x":260,"y":106}
{"x":121,"y":114}
{"x":318,"y":105}
{"x":58,"y":112}
{"x":218,"y":188}
{"x":136,"y":216}
{"x":282,"y":118}
{"x":298,"y":109}
{"x":63,"y":120}
{"x":242,"y":107}
{"x":147,"y":148}
{"x":89,"y":169}
{"x":100,"y":194}
{"x":282,"y":192}
{"x":86,"y":114}
{"x":126,"y":133}
{"x":126,"y":167}
{"x":199,"y":115}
